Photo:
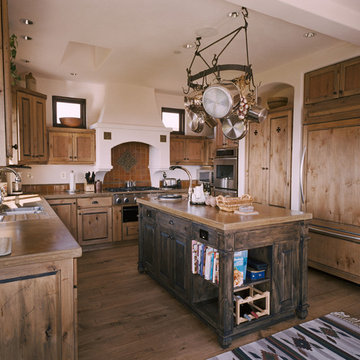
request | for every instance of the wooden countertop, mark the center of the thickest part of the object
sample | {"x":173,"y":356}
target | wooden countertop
{"x":214,"y":217}
{"x":36,"y":237}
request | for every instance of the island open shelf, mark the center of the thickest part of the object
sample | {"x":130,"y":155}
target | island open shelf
{"x":277,"y":237}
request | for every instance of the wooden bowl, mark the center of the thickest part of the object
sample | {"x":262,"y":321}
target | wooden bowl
{"x":70,"y":121}
{"x":275,"y":102}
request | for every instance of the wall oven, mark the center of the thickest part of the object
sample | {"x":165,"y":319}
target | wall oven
{"x":226,"y":171}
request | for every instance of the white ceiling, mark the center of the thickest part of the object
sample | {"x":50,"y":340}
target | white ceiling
{"x":141,"y":41}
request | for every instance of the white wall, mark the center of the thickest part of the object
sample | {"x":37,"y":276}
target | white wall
{"x":93,"y":93}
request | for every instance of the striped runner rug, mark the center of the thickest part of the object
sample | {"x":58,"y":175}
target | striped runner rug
{"x":333,"y":336}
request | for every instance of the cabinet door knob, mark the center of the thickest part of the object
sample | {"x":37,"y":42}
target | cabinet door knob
{"x":95,"y":202}
{"x":171,"y":222}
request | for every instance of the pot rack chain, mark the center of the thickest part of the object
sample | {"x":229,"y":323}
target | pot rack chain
{"x":215,"y":68}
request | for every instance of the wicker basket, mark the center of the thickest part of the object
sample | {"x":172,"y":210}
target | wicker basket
{"x":232,"y":203}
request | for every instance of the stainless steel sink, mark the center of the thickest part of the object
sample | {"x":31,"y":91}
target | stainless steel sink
{"x":170,"y":197}
{"x":22,"y":210}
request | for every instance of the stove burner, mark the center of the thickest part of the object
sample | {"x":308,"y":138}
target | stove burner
{"x":133,"y":188}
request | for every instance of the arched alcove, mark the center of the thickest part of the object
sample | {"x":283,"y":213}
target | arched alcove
{"x":275,"y":89}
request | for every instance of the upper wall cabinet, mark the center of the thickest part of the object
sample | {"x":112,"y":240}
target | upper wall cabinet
{"x":29,"y":115}
{"x":187,"y":150}
{"x":332,"y":82}
{"x":71,"y":146}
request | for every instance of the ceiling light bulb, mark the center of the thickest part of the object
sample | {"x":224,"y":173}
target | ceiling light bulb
{"x":233,"y":14}
{"x":25,"y":37}
{"x":309,"y":34}
{"x":188,"y":46}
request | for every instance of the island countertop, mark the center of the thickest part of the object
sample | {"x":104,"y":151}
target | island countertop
{"x":36,"y":237}
{"x":223,"y":220}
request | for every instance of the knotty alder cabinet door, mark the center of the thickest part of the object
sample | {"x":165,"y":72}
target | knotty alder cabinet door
{"x":65,"y":209}
{"x":38,"y":317}
{"x":71,"y":146}
{"x":268,"y":159}
{"x":188,"y":150}
{"x":94,"y":218}
{"x":331,"y":82}
{"x":29,"y":109}
{"x":331,"y":191}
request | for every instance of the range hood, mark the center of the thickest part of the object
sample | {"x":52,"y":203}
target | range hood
{"x":130,"y":114}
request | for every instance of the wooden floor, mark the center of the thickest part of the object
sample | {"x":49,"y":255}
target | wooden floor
{"x":127,"y":315}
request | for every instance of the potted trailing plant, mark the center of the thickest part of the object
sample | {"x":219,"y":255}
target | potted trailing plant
{"x":13,"y":50}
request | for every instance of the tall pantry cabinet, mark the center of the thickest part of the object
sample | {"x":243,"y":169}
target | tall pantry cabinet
{"x":268,"y":158}
{"x":331,"y":179}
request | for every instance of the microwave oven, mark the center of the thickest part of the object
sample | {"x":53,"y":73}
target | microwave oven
{"x":206,"y":176}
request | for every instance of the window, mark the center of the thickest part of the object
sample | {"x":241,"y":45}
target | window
{"x":68,"y":107}
{"x":174,"y":118}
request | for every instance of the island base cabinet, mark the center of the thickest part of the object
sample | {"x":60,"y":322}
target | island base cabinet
{"x":38,"y":316}
{"x":169,"y":251}
{"x":173,"y":257}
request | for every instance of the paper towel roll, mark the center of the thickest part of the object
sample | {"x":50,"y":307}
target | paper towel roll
{"x":72,"y":181}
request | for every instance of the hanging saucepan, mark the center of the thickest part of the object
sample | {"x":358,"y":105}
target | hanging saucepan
{"x":233,"y":127}
{"x":209,"y":120}
{"x":220,"y":100}
{"x":196,"y":115}
{"x":193,"y":100}
{"x":257,"y":114}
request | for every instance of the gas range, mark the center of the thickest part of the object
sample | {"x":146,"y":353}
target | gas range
{"x":128,"y":195}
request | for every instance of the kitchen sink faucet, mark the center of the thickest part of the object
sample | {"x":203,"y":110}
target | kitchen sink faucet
{"x":17,"y":178}
{"x":188,"y":174}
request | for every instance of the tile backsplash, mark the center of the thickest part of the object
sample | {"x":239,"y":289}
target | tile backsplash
{"x":130,"y":161}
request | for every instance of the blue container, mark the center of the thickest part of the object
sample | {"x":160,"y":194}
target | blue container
{"x":253,"y":275}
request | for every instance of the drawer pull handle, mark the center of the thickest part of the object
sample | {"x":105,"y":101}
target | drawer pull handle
{"x":171,"y":222}
{"x":95,"y":202}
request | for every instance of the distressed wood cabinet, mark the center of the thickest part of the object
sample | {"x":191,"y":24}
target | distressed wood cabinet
{"x":71,"y":146}
{"x":94,"y":219}
{"x":268,"y":159}
{"x":279,"y":239}
{"x":38,"y":304}
{"x":65,"y":209}
{"x":29,"y":112}
{"x":332,"y":82}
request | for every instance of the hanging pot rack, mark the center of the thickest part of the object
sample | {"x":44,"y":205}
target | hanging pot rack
{"x":215,"y":68}
{"x":238,"y":104}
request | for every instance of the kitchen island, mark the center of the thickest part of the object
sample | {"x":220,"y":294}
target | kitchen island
{"x":38,"y":286}
{"x":275,"y":237}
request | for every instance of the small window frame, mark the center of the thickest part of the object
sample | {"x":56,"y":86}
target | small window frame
{"x":181,"y":113}
{"x":81,"y":102}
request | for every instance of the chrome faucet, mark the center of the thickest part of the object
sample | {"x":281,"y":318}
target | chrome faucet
{"x":188,"y":174}
{"x":17,"y":177}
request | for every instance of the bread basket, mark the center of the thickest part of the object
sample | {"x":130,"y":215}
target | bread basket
{"x":231,"y":204}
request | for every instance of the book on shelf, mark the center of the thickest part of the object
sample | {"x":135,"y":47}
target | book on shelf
{"x":205,"y":261}
{"x":240,"y":262}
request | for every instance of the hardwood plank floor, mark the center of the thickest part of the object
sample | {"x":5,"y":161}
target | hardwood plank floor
{"x":127,"y":315}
